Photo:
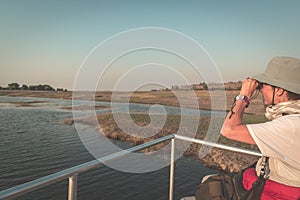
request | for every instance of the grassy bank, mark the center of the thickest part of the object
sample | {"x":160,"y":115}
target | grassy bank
{"x":216,"y":158}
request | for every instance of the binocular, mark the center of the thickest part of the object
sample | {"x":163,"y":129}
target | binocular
{"x":259,"y":86}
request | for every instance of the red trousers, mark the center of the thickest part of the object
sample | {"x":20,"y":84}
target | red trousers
{"x":272,"y":189}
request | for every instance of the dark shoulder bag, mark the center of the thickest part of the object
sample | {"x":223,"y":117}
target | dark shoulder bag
{"x":230,"y":186}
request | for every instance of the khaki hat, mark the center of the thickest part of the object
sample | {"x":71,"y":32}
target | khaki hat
{"x":282,"y":72}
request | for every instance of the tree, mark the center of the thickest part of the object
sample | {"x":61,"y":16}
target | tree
{"x":32,"y":87}
{"x":48,"y":88}
{"x":205,"y":87}
{"x":13,"y":86}
{"x":24,"y":87}
{"x":175,"y":87}
{"x":40,"y":87}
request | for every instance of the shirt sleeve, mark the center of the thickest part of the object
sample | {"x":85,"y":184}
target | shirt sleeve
{"x":273,"y":138}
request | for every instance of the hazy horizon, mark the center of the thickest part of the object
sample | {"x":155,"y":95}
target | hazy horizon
{"x":46,"y":42}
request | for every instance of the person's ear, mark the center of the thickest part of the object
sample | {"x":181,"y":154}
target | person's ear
{"x":280,"y":91}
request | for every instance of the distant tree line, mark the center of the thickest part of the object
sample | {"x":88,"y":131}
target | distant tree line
{"x":40,"y":87}
{"x":210,"y":86}
{"x":199,"y":86}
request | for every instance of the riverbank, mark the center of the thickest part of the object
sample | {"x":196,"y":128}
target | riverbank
{"x":215,"y":158}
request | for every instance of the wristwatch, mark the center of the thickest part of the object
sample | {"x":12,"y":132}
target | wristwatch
{"x":244,"y":98}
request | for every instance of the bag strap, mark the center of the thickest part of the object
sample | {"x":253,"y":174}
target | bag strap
{"x":264,"y":169}
{"x":259,"y":184}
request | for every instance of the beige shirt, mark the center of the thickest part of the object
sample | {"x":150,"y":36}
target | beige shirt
{"x":280,"y":140}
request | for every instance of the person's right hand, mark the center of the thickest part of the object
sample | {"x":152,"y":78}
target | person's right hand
{"x":248,"y":87}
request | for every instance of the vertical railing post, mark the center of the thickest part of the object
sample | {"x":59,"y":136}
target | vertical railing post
{"x":172,"y":169}
{"x":72,"y":193}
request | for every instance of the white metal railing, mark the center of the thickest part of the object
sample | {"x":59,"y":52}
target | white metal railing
{"x":72,"y":173}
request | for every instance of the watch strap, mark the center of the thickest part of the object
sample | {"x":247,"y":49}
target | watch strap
{"x":244,"y":98}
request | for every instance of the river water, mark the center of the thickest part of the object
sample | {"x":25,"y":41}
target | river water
{"x":34,"y":143}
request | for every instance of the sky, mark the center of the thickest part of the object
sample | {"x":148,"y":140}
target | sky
{"x":50,"y":42}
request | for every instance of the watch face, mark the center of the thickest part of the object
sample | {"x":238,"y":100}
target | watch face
{"x":240,"y":97}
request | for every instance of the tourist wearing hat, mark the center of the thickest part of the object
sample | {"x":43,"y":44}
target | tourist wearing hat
{"x":278,"y":139}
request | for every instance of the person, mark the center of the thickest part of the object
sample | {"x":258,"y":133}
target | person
{"x":277,"y":139}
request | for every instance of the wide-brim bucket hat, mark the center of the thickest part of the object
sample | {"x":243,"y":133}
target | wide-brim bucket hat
{"x":282,"y":72}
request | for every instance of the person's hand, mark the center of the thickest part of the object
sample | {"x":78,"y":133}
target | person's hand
{"x":248,"y":87}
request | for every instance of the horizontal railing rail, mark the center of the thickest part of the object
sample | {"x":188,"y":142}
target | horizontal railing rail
{"x":73,"y":172}
{"x":217,"y":145}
